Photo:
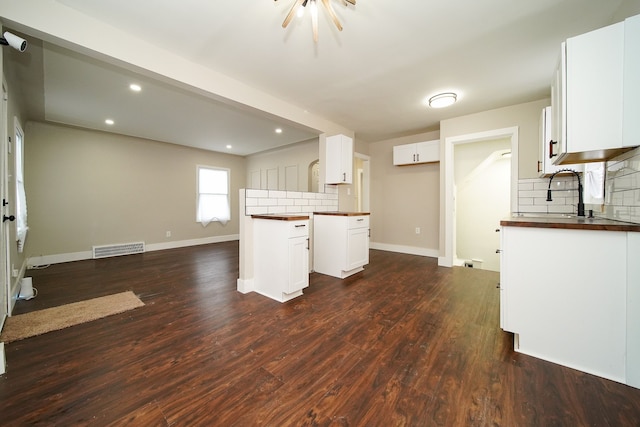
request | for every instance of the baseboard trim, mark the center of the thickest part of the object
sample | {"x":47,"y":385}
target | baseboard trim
{"x":410,"y":250}
{"x":79,"y":256}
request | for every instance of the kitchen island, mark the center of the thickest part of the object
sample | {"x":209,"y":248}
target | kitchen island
{"x":570,"y":292}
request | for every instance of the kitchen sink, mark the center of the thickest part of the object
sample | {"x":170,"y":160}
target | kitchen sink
{"x":541,"y":215}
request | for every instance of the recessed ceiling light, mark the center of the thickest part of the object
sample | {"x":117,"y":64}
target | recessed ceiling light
{"x":442,"y":100}
{"x":229,"y":147}
{"x":278,"y":130}
{"x":135,"y":87}
{"x":109,"y":122}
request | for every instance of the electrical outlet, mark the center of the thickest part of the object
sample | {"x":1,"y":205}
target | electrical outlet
{"x":417,"y":230}
{"x":168,"y":234}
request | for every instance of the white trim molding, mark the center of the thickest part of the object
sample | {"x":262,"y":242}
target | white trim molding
{"x":410,"y":250}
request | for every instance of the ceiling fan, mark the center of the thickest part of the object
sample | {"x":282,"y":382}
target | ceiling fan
{"x":301,"y":4}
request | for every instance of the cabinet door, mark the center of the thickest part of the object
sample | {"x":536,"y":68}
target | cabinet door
{"x":547,"y":146}
{"x":404,"y":154}
{"x":357,"y":248}
{"x":594,"y":74}
{"x":339,"y":160}
{"x":631,"y":106}
{"x":428,"y":151}
{"x":298,"y":264}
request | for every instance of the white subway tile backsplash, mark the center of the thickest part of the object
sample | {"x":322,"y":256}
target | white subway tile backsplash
{"x":286,"y":202}
{"x":257,"y":193}
{"x":276,"y":202}
{"x":525,"y":186}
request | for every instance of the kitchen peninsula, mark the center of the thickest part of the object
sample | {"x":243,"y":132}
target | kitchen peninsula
{"x":570,"y":292}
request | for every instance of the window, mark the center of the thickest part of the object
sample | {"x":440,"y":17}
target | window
{"x":213,"y":195}
{"x":21,"y":198}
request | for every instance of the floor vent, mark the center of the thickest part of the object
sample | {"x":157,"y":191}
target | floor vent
{"x":115,"y":250}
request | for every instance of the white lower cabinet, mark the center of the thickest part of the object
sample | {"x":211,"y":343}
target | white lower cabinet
{"x":565,"y":294}
{"x":340,"y":243}
{"x":281,"y":258}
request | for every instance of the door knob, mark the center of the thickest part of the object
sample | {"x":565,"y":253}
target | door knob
{"x":8,"y":218}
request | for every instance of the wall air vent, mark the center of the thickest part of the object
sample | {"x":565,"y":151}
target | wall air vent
{"x":106,"y":251}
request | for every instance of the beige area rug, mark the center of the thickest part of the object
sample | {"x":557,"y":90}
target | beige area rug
{"x":52,"y":319}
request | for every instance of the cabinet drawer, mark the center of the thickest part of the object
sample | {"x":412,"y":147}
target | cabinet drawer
{"x":358,"y":221}
{"x":298,"y":228}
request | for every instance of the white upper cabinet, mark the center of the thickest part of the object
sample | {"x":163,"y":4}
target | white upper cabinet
{"x":547,"y":144}
{"x":339,"y":160}
{"x":421,"y":152}
{"x":631,"y":109}
{"x":590,"y":96}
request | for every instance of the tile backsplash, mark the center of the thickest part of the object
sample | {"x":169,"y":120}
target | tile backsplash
{"x":532,"y":195}
{"x":622,"y":188}
{"x":622,"y":192}
{"x":259,"y":202}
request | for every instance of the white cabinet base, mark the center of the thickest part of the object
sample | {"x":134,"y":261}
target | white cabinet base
{"x":340,"y":244}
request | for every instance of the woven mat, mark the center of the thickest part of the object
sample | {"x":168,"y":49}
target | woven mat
{"x":52,"y":319}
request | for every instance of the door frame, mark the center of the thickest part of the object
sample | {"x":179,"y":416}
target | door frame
{"x":448,"y":199}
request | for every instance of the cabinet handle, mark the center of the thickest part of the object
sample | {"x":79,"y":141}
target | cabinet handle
{"x":360,"y":219}
{"x":344,"y":177}
{"x":300,"y":225}
{"x":307,"y":243}
{"x":498,"y":251}
{"x":497,"y":230}
{"x":539,"y":166}
{"x":414,"y":157}
{"x":551,"y":144}
{"x":418,"y":157}
{"x":369,"y":233}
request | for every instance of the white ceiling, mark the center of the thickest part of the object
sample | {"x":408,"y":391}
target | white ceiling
{"x":372,"y":78}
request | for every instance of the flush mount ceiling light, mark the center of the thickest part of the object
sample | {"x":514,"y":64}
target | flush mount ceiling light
{"x":298,"y":8}
{"x":442,"y":100}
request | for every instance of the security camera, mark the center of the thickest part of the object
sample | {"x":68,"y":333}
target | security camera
{"x":18,"y":43}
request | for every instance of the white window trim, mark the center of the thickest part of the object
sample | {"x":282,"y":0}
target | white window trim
{"x":206,"y":222}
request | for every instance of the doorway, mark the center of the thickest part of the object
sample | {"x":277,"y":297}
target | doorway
{"x":448,"y":198}
{"x":482,"y":175}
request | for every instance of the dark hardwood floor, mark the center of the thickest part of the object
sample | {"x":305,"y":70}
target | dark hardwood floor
{"x":404,"y":343}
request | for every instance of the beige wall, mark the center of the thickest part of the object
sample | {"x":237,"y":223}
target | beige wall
{"x":88,"y":188}
{"x":525,"y":116}
{"x":298,"y":155}
{"x":403,"y":198}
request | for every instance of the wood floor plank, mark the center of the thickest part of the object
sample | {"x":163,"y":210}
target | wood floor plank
{"x":402,"y":343}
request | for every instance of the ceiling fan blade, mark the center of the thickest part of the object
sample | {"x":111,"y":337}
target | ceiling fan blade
{"x":314,"y":21}
{"x":353,"y":2}
{"x":332,"y":13}
{"x":292,"y":12}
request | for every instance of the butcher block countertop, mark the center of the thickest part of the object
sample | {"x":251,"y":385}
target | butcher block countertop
{"x":339,"y":213}
{"x":568,"y":222}
{"x":282,"y":217}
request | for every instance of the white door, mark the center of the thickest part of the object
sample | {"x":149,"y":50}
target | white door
{"x":5,"y":284}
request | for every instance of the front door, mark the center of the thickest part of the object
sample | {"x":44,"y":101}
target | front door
{"x":5,"y":284}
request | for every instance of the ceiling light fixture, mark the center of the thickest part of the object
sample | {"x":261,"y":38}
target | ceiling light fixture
{"x":278,"y":130}
{"x":135,"y":87}
{"x":442,"y":100}
{"x":298,"y":9}
{"x":109,"y":122}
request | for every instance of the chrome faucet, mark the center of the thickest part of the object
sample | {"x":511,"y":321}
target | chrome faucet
{"x":580,"y":197}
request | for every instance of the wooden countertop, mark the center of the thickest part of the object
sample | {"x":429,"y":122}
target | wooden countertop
{"x":339,"y":213}
{"x":573,"y":222}
{"x":282,"y":217}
